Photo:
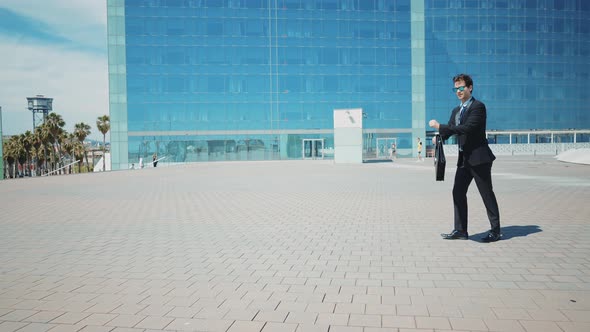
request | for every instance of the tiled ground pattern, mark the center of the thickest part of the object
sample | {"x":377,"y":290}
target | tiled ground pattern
{"x":294,"y":246}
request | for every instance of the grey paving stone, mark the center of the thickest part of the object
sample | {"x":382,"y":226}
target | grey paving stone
{"x":97,"y":319}
{"x":279,"y":327}
{"x":438,"y":323}
{"x":271,"y":316}
{"x":364,"y":320}
{"x":93,"y":328}
{"x":301,"y":317}
{"x":44,"y":316}
{"x":412,"y":310}
{"x":469,"y":324}
{"x":70,"y":318}
{"x":530,"y":326}
{"x":184,"y":324}
{"x":18,"y":315}
{"x":332,"y":319}
{"x":154,"y":322}
{"x":312,"y":328}
{"x":320,"y":307}
{"x":398,"y":321}
{"x":243,"y":326}
{"x":573,"y":315}
{"x":12,"y":326}
{"x":37,"y":327}
{"x":125,"y":320}
{"x":104,"y":306}
{"x":574,"y":326}
{"x":346,"y":329}
{"x":504,"y":325}
{"x":66,"y":328}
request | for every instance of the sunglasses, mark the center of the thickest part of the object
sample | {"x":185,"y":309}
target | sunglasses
{"x":461,"y":88}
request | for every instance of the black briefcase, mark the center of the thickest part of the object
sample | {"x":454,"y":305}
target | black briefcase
{"x":440,"y":162}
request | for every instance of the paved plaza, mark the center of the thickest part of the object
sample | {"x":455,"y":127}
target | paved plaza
{"x":291,"y":246}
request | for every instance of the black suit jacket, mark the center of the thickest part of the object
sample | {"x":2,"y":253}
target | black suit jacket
{"x":471,"y":135}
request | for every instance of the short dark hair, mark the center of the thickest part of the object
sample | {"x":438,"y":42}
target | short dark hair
{"x":465,"y":78}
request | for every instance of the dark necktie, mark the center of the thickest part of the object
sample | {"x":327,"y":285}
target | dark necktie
{"x":461,"y":112}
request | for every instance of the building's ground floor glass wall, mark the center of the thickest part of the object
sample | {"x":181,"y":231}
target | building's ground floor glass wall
{"x":199,"y":148}
{"x":309,"y":145}
{"x":263,"y":146}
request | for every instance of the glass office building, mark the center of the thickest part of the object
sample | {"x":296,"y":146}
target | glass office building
{"x":207,"y":80}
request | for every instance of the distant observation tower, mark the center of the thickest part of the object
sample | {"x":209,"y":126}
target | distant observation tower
{"x":40,"y":106}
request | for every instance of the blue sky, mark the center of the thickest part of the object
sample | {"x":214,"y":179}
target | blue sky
{"x":56,"y":48}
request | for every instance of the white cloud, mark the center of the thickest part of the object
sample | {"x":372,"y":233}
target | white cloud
{"x":77,"y":80}
{"x":62,"y":14}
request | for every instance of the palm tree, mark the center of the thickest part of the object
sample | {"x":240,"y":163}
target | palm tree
{"x":69,"y":142}
{"x":103,"y":123}
{"x":27,"y":142}
{"x":41,"y":140}
{"x":48,"y":141}
{"x":14,"y":152}
{"x":55,"y":124}
{"x":79,"y":151}
{"x":81,"y":131}
{"x":21,"y":156}
{"x":9,"y":155}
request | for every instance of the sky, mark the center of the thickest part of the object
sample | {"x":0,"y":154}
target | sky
{"x":55,"y":48}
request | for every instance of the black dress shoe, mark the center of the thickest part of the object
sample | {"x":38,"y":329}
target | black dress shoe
{"x":455,"y":235}
{"x":491,"y":237}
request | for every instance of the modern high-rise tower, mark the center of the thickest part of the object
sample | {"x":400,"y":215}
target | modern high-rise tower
{"x":204,"y":80}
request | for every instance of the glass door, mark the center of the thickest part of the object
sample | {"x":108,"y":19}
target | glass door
{"x":385,"y":146}
{"x":313,"y":148}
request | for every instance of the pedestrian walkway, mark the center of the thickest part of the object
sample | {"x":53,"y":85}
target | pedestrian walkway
{"x":294,"y":246}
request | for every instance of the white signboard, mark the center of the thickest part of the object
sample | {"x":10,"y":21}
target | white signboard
{"x":348,"y":135}
{"x":348,"y":118}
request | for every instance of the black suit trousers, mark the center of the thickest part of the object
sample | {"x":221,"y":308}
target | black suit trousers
{"x":483,"y":179}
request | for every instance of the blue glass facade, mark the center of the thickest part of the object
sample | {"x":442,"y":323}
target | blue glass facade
{"x":529,"y":59}
{"x":201,"y":80}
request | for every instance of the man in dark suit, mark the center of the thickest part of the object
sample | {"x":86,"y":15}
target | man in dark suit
{"x":468,"y":122}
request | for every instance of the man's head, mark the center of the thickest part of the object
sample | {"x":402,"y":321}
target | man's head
{"x":463,"y":87}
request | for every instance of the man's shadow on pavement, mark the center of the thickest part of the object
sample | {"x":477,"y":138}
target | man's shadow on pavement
{"x":509,"y":232}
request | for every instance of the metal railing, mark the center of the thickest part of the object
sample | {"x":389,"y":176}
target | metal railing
{"x":528,"y":142}
{"x":524,"y":149}
{"x":538,"y":136}
{"x":59,"y":169}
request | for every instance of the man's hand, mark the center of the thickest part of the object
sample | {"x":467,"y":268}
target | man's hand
{"x":434,"y":124}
